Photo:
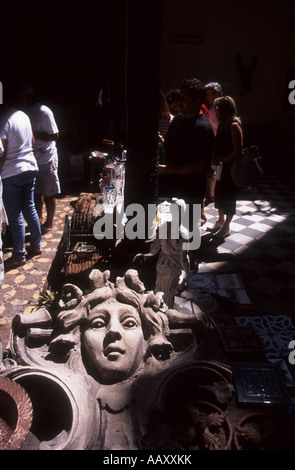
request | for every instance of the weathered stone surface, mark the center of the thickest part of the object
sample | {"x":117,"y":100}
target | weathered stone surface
{"x":106,"y":362}
{"x":15,"y":414}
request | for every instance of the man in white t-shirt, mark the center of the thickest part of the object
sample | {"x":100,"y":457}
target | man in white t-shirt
{"x":18,"y":169}
{"x":47,"y":186}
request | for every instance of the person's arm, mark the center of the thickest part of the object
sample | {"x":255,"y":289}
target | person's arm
{"x":237,"y":140}
{"x":3,"y":154}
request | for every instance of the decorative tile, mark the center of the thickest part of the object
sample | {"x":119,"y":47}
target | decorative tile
{"x":260,"y":383}
{"x":241,"y":239}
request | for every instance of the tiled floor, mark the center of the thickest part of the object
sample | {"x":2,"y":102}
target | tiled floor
{"x":21,"y":288}
{"x":261,"y":248}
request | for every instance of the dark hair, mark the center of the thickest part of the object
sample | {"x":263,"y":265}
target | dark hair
{"x":173,"y":95}
{"x":196,"y":88}
{"x":215,"y":87}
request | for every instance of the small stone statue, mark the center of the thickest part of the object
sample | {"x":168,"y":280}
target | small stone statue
{"x":173,"y":261}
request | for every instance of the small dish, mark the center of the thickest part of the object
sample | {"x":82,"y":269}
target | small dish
{"x":83,"y":250}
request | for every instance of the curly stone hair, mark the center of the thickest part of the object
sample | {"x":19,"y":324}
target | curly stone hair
{"x":128,"y":290}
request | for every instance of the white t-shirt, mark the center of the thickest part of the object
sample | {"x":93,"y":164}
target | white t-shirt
{"x":15,"y":127}
{"x":42,"y":120}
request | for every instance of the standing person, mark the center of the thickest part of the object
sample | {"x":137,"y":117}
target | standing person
{"x":229,"y":146}
{"x":1,"y":205}
{"x":189,"y":144}
{"x":18,"y":172}
{"x":47,"y":187}
{"x":213,"y":91}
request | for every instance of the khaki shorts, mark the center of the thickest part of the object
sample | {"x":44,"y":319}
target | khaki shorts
{"x":47,"y":181}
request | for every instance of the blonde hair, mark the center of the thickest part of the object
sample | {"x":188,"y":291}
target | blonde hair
{"x":164,"y":110}
{"x":227,"y":109}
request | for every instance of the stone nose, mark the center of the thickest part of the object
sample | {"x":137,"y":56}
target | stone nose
{"x":113,"y":332}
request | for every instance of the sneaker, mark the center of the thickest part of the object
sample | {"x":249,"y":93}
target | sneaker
{"x":13,"y":263}
{"x":223,"y":233}
{"x":215,"y":228}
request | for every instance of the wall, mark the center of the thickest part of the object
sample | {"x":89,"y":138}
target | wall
{"x":253,"y":29}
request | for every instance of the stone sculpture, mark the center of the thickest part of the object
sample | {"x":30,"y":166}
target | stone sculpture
{"x":173,"y":261}
{"x":100,"y":366}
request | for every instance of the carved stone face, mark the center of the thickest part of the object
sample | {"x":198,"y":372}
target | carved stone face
{"x":112,"y":341}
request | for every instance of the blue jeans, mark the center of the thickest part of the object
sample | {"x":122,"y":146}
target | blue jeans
{"x":18,"y":199}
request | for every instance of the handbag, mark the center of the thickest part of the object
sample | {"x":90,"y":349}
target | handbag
{"x":246,"y":169}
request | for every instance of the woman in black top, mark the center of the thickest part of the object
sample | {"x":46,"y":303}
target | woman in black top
{"x":228,"y":146}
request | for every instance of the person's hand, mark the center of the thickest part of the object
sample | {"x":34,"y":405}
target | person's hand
{"x":216,"y":161}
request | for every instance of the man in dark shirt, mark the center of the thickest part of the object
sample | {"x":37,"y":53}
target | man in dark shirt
{"x":188,"y":145}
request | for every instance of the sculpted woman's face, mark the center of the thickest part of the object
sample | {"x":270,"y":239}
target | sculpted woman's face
{"x":113,"y":343}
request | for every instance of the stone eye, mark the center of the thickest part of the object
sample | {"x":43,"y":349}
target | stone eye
{"x":98,"y":323}
{"x":129,"y":323}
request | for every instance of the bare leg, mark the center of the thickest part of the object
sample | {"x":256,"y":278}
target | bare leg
{"x":50,"y":204}
{"x":211,"y":187}
{"x":228,"y":221}
{"x":221,"y":216}
{"x":203,"y":214}
{"x":39,"y":201}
